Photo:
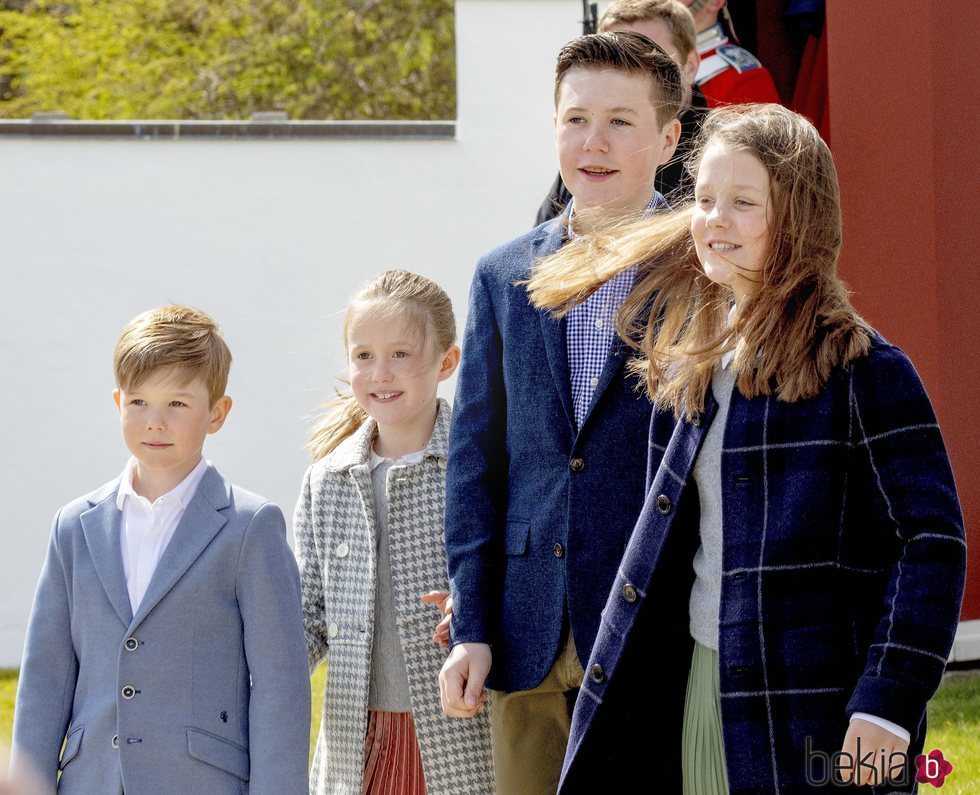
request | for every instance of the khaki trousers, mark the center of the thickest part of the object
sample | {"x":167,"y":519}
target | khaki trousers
{"x":530,"y":729}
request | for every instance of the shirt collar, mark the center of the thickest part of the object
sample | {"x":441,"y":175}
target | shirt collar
{"x":376,"y":460}
{"x":182,"y":492}
{"x":712,"y":37}
{"x":657,"y":201}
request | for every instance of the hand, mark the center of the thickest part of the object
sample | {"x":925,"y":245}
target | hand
{"x":444,"y":603}
{"x":461,"y":679}
{"x":874,"y":743}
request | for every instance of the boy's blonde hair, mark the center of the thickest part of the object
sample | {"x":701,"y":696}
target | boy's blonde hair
{"x":173,"y":336}
{"x":675,"y":16}
{"x":429,"y":311}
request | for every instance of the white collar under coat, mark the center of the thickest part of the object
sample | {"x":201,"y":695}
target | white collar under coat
{"x":356,"y":449}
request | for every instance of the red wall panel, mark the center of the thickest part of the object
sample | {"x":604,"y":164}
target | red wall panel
{"x":903,"y":86}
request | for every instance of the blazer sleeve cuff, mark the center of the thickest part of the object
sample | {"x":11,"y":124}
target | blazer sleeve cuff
{"x":463,"y":631}
{"x":889,"y":700}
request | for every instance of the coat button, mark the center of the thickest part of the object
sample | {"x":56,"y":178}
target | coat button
{"x":342,"y":549}
{"x":696,"y":420}
{"x":596,"y":674}
{"x":115,"y":741}
{"x":576,"y":464}
{"x":629,"y":593}
{"x":333,"y":630}
{"x":442,"y":463}
{"x":128,"y":692}
{"x":559,"y":551}
{"x":131,"y":644}
{"x":664,"y":504}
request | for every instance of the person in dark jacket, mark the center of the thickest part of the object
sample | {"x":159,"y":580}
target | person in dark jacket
{"x":797,"y":450}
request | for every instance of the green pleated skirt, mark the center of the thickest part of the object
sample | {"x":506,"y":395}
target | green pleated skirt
{"x":702,"y":745}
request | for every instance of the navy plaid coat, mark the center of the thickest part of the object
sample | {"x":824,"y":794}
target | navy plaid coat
{"x":843,"y":570}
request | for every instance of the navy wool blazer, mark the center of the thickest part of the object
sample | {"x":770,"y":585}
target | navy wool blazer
{"x":843,"y":569}
{"x":537,"y":513}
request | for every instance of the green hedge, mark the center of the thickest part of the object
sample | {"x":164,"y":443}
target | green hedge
{"x":226,"y":59}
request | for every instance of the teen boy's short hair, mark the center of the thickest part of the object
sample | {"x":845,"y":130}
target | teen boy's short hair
{"x":627,"y":52}
{"x":675,"y":16}
{"x":173,"y":336}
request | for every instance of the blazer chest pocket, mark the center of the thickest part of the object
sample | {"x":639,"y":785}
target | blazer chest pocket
{"x":218,"y":752}
{"x":73,"y":741}
{"x":516,"y":535}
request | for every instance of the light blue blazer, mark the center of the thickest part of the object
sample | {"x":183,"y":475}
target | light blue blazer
{"x":205,"y":689}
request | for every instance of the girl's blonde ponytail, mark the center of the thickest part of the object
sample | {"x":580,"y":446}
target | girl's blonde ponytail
{"x":342,"y":418}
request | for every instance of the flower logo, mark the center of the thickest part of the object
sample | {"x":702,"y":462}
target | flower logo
{"x":932,"y":768}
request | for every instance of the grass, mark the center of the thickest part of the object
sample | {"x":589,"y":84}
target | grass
{"x":954,"y":723}
{"x":8,"y":691}
{"x":954,"y":728}
{"x":317,"y":681}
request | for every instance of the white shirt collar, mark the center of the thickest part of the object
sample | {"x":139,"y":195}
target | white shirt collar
{"x":409,"y":458}
{"x":182,"y":492}
{"x":710,"y":38}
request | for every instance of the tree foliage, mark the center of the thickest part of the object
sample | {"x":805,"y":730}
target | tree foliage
{"x":226,"y":59}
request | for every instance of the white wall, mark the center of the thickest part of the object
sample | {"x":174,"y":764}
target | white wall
{"x":269,"y":237}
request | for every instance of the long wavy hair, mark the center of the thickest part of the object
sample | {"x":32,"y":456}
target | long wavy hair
{"x":789,"y":335}
{"x":429,"y":311}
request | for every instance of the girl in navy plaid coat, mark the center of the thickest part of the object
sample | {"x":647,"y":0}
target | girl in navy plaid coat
{"x":369,"y":526}
{"x":821,"y":515}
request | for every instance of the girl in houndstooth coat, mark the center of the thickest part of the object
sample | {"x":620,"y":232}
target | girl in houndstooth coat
{"x":368,"y":527}
{"x":801,"y":550}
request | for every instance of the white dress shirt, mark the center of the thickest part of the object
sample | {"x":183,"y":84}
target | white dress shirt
{"x":147,"y":529}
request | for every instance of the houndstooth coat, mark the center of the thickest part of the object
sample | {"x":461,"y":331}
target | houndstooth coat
{"x":336,"y":534}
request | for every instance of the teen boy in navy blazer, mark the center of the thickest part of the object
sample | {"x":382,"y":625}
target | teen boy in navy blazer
{"x":165,"y":648}
{"x":548,"y":443}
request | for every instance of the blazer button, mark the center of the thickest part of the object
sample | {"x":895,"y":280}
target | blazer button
{"x":629,"y":593}
{"x":333,"y":630}
{"x":664,"y":504}
{"x":115,"y":741}
{"x":442,"y":463}
{"x":596,"y":674}
{"x":696,"y":420}
{"x":342,"y":549}
{"x":576,"y":464}
{"x":128,"y":692}
{"x":559,"y":551}
{"x":131,"y":644}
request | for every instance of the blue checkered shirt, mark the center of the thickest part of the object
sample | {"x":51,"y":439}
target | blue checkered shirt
{"x":591,"y":329}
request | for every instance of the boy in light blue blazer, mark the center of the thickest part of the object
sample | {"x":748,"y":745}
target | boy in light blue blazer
{"x":165,"y":651}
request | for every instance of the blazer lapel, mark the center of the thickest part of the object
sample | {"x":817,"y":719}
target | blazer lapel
{"x":101,"y":527}
{"x":555,"y":337}
{"x":200,"y":523}
{"x":554,"y":331}
{"x":615,"y":360}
